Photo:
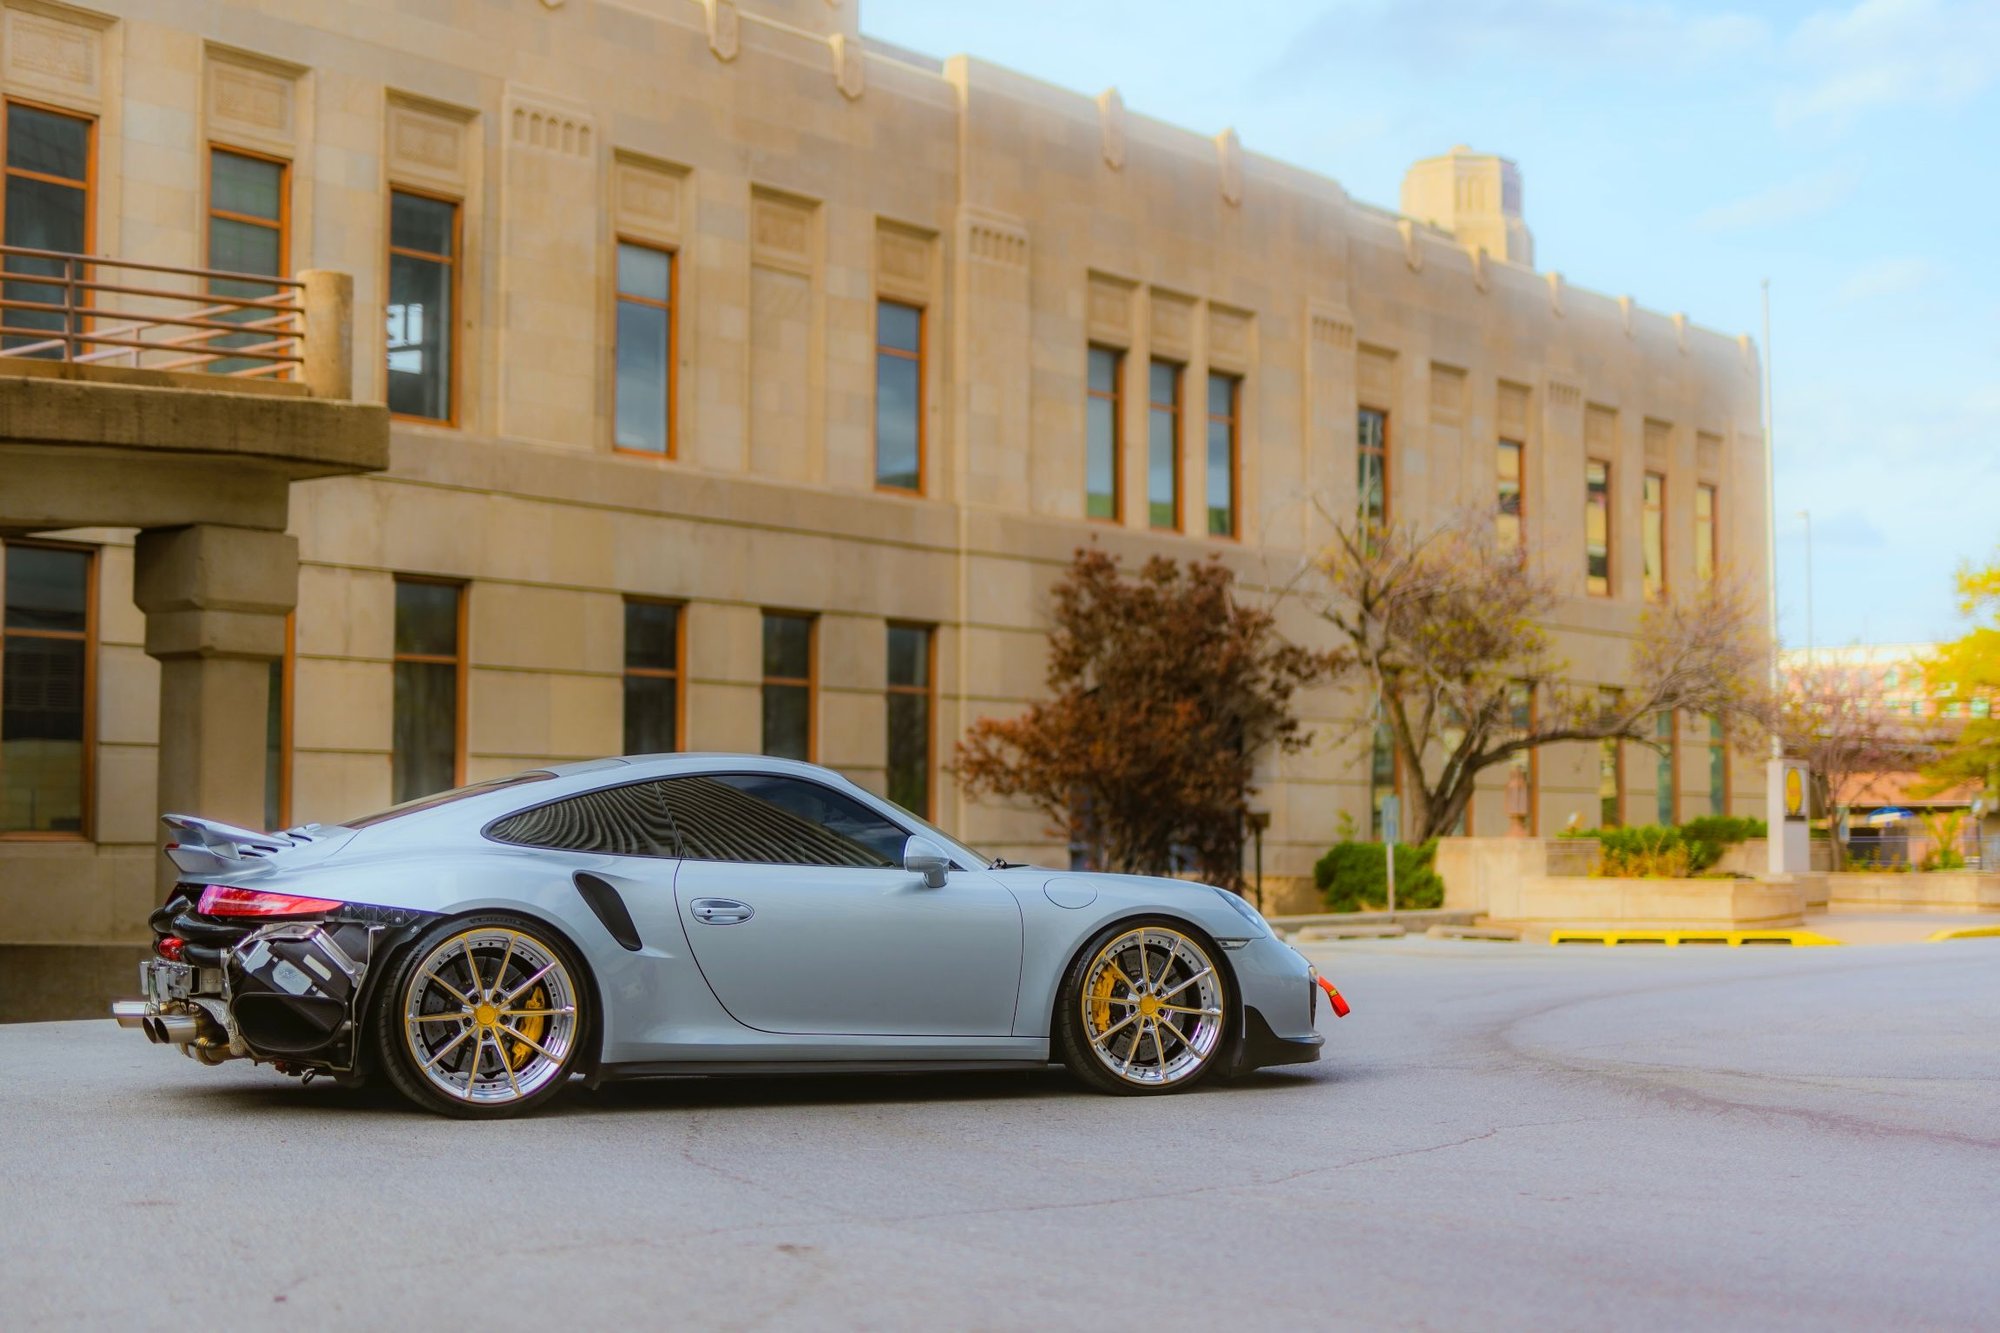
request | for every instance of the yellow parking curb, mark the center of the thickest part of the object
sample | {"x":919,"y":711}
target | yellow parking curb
{"x":1964,"y":933}
{"x":1676,"y":938}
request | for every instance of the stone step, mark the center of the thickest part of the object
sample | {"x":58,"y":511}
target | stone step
{"x":1509,"y":934}
{"x":1353,"y":931}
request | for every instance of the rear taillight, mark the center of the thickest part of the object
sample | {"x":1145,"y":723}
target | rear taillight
{"x":170,"y":948}
{"x":221,"y":900}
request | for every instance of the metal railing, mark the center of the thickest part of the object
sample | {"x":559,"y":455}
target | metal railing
{"x":62,"y":307}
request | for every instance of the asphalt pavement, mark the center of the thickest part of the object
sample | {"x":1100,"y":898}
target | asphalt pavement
{"x":1501,"y":1137}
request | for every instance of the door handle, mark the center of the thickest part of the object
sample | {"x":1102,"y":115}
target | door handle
{"x":721,"y":911}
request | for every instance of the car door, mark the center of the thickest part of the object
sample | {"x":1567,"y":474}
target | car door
{"x":803,"y":919}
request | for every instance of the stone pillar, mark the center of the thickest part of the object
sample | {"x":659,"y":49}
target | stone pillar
{"x":329,"y":342}
{"x":215,"y":600}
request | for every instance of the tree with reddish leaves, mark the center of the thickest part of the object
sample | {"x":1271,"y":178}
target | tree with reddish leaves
{"x":1164,"y":690}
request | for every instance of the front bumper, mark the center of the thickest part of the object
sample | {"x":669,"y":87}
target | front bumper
{"x":1280,"y":998}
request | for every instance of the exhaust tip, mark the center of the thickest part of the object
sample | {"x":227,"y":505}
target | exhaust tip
{"x":129,"y":1013}
{"x":171,"y":1029}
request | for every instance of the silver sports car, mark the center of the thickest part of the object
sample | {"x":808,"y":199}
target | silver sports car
{"x":694,"y":914}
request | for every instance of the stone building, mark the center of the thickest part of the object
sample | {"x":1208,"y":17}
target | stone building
{"x":747,"y":382}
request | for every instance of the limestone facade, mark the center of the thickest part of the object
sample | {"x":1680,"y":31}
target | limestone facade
{"x":798,"y":173}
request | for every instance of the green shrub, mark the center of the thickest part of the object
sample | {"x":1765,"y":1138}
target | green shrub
{"x":1657,"y":851}
{"x":1354,"y":877}
{"x":1725,"y":830}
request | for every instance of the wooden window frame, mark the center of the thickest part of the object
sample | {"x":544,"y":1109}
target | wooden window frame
{"x":1610,"y":530}
{"x":453,"y":264}
{"x":922,"y":357}
{"x":1176,"y":411}
{"x":457,"y":661}
{"x":1673,"y":762}
{"x":1657,"y":592}
{"x":87,"y":770}
{"x":810,"y":680}
{"x":283,"y":225}
{"x":677,"y":673}
{"x":1715,"y":746}
{"x":1381,"y":456}
{"x":1116,"y":397}
{"x":672,"y":306}
{"x":1617,"y":750}
{"x":1235,"y":423}
{"x":928,"y":692}
{"x":1520,"y":448}
{"x":89,"y":184}
{"x":1714,"y":550}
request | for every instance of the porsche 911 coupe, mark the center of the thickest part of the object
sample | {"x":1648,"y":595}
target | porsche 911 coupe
{"x":694,"y":914}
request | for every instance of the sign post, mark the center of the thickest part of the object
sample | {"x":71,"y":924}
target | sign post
{"x":1392,"y":829}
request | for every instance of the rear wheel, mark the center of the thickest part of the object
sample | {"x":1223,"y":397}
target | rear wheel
{"x":1145,"y":1009}
{"x":484,"y":1017}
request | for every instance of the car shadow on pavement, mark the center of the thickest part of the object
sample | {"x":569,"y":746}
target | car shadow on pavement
{"x":711,"y":1092}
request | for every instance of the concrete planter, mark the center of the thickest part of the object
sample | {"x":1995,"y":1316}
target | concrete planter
{"x":1937,"y":891}
{"x":1740,"y":904}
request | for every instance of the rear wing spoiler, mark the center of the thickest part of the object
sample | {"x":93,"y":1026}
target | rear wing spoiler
{"x":204,"y":847}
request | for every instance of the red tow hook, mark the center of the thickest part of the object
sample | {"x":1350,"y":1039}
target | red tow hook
{"x":1333,"y":997}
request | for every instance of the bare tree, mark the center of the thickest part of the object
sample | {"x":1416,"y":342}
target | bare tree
{"x":1446,"y":631}
{"x":1836,"y":716}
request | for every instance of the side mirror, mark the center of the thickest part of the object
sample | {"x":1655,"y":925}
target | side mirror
{"x":923,"y":857}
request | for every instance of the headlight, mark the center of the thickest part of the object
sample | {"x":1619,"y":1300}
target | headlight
{"x":1245,"y":910}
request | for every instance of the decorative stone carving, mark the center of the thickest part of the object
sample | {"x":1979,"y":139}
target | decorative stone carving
{"x":1512,"y":410}
{"x":1555,"y":294}
{"x":1375,"y":376}
{"x":1565,"y":395}
{"x":250,"y":101}
{"x":1171,"y":327}
{"x":1659,"y":443}
{"x":1111,"y":128}
{"x":536,"y":124}
{"x":54,"y":52}
{"x":1625,"y":313}
{"x":1228,"y":338}
{"x":1447,"y":394}
{"x":1331,"y":325}
{"x":725,"y":28}
{"x":991,"y":240}
{"x":849,"y":66}
{"x":781,"y":231}
{"x":1229,"y":157}
{"x":1413,"y":255}
{"x":1108,"y":310}
{"x":647,"y":197}
{"x":1481,"y":278}
{"x":1708,"y":454}
{"x":1681,"y":330}
{"x":554,"y":4}
{"x":903,"y":262}
{"x":426,"y":143}
{"x":1600,"y":429}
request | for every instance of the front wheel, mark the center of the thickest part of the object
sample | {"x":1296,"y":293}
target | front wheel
{"x":1145,"y":1009}
{"x":483,"y":1018}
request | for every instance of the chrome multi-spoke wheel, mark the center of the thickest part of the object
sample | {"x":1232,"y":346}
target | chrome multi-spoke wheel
{"x":488,"y":1017}
{"x":1148,"y":1010}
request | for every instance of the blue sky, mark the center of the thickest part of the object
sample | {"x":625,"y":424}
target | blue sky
{"x":1678,"y":151}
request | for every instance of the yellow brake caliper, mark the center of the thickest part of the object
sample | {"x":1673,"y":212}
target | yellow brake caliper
{"x":531,"y":1028}
{"x":1100,"y":997}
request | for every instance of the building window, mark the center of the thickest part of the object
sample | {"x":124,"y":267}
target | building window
{"x":1511,"y":512}
{"x":910,"y":710}
{"x":1225,"y":393}
{"x":1381,"y":776}
{"x":1163,"y":445}
{"x":430,"y":688}
{"x":278,"y":732}
{"x":788,"y":685}
{"x":899,"y":396}
{"x":1653,"y":537}
{"x":1371,"y":476}
{"x":1667,"y":805}
{"x":1528,"y":763}
{"x":1610,"y":768}
{"x":423,"y":295}
{"x":1704,"y":533}
{"x":48,"y":639}
{"x":1597,"y":528}
{"x":652,"y":677}
{"x":644,"y":394}
{"x":246,"y":234}
{"x":1718,"y":769}
{"x":47,"y":205}
{"x":1104,"y":427}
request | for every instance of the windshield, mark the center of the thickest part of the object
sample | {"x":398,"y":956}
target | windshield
{"x":436,"y":799}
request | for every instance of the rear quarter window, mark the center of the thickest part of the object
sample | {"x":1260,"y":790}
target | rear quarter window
{"x":631,"y":820}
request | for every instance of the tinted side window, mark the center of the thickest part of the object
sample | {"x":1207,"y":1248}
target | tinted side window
{"x":776,"y":820}
{"x":630,"y":820}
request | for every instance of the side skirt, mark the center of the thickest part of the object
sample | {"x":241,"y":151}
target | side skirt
{"x":728,"y":1068}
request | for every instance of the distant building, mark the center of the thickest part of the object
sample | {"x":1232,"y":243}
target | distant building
{"x":710,"y":375}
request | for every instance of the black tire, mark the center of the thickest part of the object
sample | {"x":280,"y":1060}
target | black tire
{"x":421,"y":971}
{"x":1180,"y":960}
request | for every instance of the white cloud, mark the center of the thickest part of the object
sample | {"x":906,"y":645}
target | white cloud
{"x":1885,"y":277}
{"x":1887,"y":53}
{"x":1787,"y":201}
